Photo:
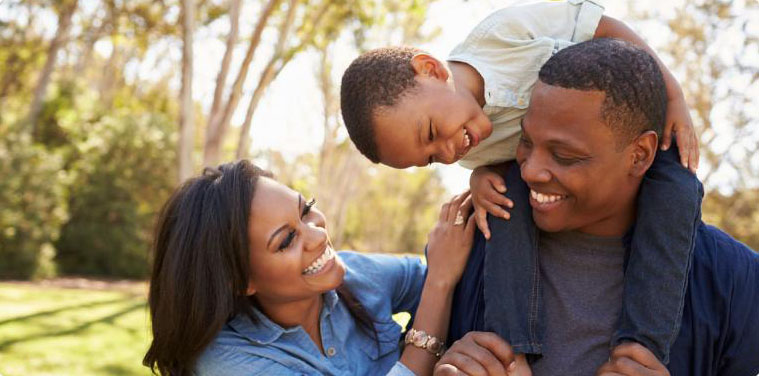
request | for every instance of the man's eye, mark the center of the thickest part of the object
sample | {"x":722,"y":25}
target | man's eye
{"x":287,"y":241}
{"x":565,"y":161}
{"x":524,"y":141}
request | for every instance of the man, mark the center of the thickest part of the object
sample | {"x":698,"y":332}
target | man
{"x":588,"y":139}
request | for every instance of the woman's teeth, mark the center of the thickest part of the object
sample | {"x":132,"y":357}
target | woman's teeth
{"x":545,"y":198}
{"x":319,"y":263}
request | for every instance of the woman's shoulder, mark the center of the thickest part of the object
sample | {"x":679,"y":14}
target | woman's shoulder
{"x":379,"y":269}
{"x":226,"y":359}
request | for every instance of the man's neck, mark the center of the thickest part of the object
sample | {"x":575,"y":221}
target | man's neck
{"x":467,"y":80}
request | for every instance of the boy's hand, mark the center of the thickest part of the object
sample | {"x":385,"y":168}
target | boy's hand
{"x":678,"y":121}
{"x":487,"y":188}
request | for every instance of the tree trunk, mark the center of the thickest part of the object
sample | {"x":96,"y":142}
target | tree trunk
{"x":186,"y":117}
{"x":61,"y":34}
{"x":218,"y":125}
{"x":275,"y":65}
{"x":267,"y":76}
{"x":221,"y":79}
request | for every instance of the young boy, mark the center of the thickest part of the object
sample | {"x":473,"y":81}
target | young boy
{"x":404,"y":108}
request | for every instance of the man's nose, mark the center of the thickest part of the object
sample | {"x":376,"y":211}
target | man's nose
{"x":534,"y":171}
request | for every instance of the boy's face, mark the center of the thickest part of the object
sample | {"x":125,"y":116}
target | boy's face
{"x":568,"y":157}
{"x":432,"y":123}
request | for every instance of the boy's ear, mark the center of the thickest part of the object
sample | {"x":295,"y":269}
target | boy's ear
{"x":427,"y":66}
{"x":644,"y":152}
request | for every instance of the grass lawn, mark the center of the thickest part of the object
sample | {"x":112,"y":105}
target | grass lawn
{"x":65,"y":331}
{"x":48,"y":330}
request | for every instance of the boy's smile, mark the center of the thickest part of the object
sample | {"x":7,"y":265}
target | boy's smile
{"x":432,"y":123}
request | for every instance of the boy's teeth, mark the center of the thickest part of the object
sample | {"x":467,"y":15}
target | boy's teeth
{"x":467,"y":139}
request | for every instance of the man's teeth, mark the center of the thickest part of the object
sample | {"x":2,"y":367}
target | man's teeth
{"x":319,"y":263}
{"x":545,"y":198}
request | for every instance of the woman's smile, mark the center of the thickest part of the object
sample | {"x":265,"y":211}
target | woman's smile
{"x":322,"y":264}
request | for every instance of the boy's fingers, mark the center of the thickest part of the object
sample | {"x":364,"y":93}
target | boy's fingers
{"x":497,"y":183}
{"x":696,"y":155}
{"x":683,"y":143}
{"x":497,"y":210}
{"x":499,"y":199}
{"x":667,"y":135}
{"x":481,"y":218}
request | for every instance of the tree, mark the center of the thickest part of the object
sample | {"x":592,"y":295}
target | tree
{"x":65,"y":10}
{"x":186,"y":116}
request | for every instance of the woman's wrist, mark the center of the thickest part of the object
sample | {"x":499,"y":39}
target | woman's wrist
{"x":441,"y":282}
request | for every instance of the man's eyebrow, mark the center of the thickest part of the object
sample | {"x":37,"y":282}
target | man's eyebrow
{"x":274,"y":235}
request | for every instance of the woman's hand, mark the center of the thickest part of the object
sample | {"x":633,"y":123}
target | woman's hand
{"x":487,"y":188}
{"x":451,"y":240}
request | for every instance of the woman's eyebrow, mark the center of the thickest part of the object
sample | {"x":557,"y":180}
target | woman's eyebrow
{"x":274,"y":235}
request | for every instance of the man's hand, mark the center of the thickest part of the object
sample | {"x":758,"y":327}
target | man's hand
{"x":478,"y":353}
{"x":632,"y":359}
{"x":487,"y":188}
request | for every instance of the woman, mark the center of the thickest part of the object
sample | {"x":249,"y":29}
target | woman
{"x":245,"y":281}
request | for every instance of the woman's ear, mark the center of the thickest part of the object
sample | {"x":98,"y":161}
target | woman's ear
{"x":251,"y":289}
{"x":644,"y":152}
{"x":426,"y":65}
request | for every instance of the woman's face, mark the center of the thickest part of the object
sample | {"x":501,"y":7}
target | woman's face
{"x":291,"y":257}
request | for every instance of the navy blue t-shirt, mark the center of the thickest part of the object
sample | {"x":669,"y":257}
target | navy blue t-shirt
{"x":719,"y":334}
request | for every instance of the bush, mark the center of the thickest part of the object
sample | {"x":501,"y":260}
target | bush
{"x":32,"y":206}
{"x":123,"y":174}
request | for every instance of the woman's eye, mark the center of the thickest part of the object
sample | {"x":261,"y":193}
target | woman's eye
{"x":287,"y":241}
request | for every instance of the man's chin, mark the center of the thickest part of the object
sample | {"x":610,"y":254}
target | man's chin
{"x":548,"y":223}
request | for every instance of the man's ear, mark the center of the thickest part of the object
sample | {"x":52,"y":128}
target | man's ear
{"x":427,"y":66}
{"x":643,"y":152}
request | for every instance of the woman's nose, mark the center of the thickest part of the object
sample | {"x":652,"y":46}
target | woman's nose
{"x":315,"y":236}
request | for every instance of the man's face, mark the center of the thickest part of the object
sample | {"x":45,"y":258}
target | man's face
{"x":431,"y":124}
{"x":567,"y":154}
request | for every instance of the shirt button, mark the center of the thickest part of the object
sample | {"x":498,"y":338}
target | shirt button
{"x":331,"y":351}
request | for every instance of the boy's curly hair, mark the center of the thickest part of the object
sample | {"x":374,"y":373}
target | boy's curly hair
{"x":376,"y":79}
{"x":636,"y":96}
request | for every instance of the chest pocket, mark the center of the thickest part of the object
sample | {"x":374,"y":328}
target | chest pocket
{"x":388,"y":336}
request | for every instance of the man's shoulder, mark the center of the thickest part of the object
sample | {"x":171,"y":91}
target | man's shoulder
{"x":721,"y":252}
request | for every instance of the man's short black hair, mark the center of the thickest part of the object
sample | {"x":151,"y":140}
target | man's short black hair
{"x":636,"y":96}
{"x":376,"y":79}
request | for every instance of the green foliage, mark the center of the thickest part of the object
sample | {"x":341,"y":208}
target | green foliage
{"x":395,"y":211}
{"x":122,"y":177}
{"x":736,"y":214}
{"x":32,"y":205}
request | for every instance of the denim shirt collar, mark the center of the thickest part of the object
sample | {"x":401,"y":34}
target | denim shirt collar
{"x":264,"y":331}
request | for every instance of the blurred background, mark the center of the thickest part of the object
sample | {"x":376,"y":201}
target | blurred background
{"x":105,"y":105}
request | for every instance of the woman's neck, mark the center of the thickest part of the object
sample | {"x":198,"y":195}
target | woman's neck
{"x":304,"y":313}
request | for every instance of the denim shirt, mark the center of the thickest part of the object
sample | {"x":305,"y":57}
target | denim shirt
{"x":384,"y":285}
{"x":507,"y":49}
{"x":719,"y":334}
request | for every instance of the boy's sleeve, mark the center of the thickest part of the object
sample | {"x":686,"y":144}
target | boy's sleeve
{"x":572,"y":20}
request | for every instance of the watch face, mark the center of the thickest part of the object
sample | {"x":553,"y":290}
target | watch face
{"x":419,"y":339}
{"x":434,"y":345}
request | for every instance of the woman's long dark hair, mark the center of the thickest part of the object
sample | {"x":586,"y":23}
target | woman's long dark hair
{"x":201,"y":266}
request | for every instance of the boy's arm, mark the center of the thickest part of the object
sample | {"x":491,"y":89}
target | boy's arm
{"x":678,"y":119}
